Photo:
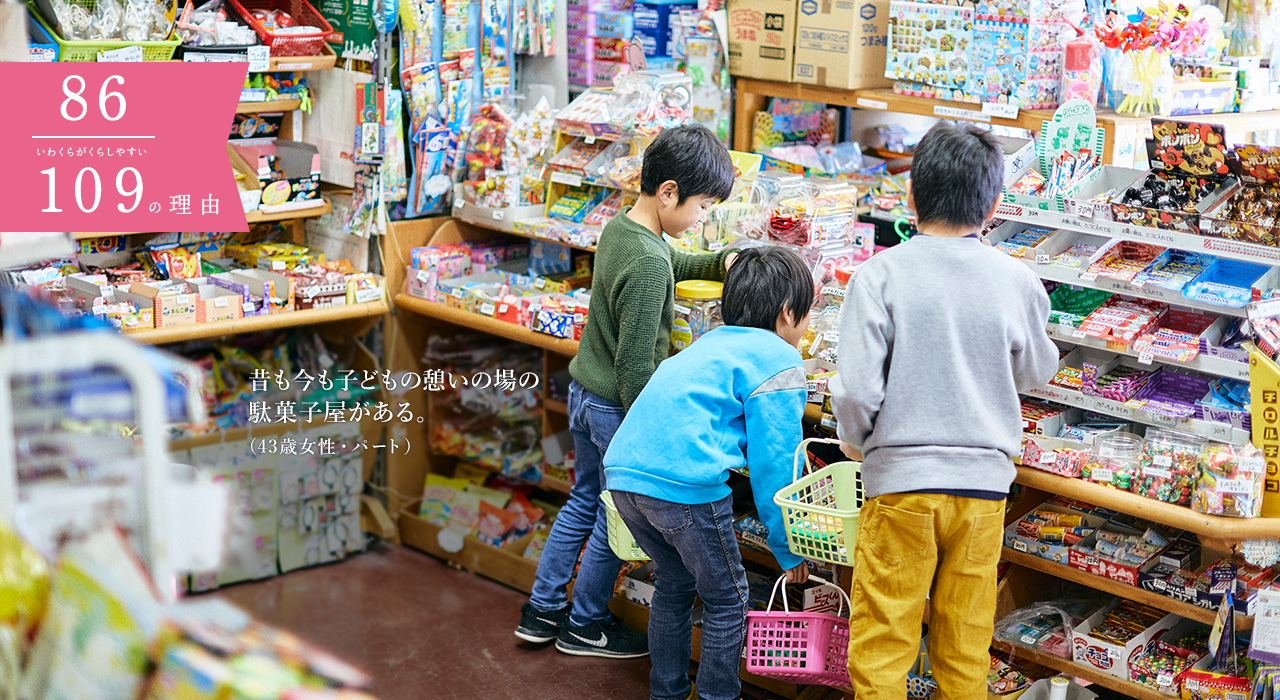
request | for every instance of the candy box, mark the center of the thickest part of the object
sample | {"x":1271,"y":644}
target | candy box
{"x":1107,"y":656}
{"x":1199,"y":683}
{"x":1189,"y":176}
{"x":89,"y":290}
{"x":638,"y":587}
{"x":1250,"y":210}
{"x":603,"y":73}
{"x":580,"y":23}
{"x":272,"y":290}
{"x":1071,"y":137}
{"x":1053,"y":551}
{"x":174,"y":303}
{"x":1091,"y":196}
{"x":420,"y":283}
{"x":218,"y":304}
{"x":616,"y":24}
{"x":1084,"y":556}
{"x":605,"y":48}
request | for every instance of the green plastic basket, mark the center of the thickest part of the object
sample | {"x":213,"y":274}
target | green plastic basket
{"x":620,"y":539}
{"x":820,"y":510}
{"x":88,"y":50}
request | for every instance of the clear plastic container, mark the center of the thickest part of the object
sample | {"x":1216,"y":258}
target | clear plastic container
{"x":1114,"y":461}
{"x":814,"y":211}
{"x":647,"y":102}
{"x":697,"y":310}
{"x":1169,"y":465}
{"x":1230,"y":482}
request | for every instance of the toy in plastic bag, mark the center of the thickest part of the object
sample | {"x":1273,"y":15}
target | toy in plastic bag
{"x":1045,"y":626}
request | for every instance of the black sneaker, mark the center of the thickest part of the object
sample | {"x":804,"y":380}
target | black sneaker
{"x":540,"y":627}
{"x":609,"y":638}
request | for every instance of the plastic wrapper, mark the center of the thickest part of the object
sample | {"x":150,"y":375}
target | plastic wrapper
{"x":1169,"y":466}
{"x":1231,"y":482}
{"x":1045,"y":626}
{"x":107,"y":19}
{"x":75,"y":21}
{"x":24,"y":583}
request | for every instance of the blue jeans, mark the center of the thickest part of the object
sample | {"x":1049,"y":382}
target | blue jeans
{"x":696,"y":554}
{"x":592,"y":421}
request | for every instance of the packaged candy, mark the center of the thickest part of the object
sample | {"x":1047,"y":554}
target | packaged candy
{"x":1231,"y":482}
{"x":1114,"y":461}
{"x":1168,"y":467}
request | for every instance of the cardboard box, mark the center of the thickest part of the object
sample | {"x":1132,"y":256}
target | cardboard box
{"x":170,"y":308}
{"x":762,"y":38}
{"x":1113,"y":659}
{"x":274,"y":289}
{"x":1053,"y":551}
{"x":218,"y":304}
{"x":635,"y":588}
{"x":841,"y":43}
{"x":298,"y":162}
{"x":1083,"y":557}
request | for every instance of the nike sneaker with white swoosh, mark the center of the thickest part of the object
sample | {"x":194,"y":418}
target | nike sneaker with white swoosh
{"x":609,"y":638}
{"x":540,"y":627}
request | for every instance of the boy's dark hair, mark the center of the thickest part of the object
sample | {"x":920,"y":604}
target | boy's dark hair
{"x":693,"y":157}
{"x":956,"y":175}
{"x":763,"y":282}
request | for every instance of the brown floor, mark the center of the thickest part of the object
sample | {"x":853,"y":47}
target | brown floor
{"x":424,"y":630}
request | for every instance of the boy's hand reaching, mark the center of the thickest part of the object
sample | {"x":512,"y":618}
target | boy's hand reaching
{"x":850,"y":452}
{"x":800,"y":574}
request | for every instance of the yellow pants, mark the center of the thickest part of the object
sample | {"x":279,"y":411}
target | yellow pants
{"x":910,"y":546}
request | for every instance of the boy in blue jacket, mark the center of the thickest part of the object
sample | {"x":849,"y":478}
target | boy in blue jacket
{"x":733,"y":399}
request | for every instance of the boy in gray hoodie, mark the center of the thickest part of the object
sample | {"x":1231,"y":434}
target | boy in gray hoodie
{"x":938,"y":336}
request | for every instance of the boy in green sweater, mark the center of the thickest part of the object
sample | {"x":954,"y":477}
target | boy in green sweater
{"x":686,"y":170}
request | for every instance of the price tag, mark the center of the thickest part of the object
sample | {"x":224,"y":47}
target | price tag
{"x":540,"y":283}
{"x":1089,"y":276}
{"x":129,"y":54}
{"x":682,"y":309}
{"x":220,"y":302}
{"x":1132,"y":87}
{"x":423,"y":276}
{"x":260,"y":59}
{"x":1162,"y":460}
{"x":1042,"y":259}
{"x":1163,"y":90}
{"x":1029,"y":638}
{"x":871,"y":104}
{"x":1048,"y":457}
{"x":564,"y":178}
{"x":1236,"y":485}
{"x":487,"y":308}
{"x":1219,"y":431}
{"x":1079,"y":334}
{"x":954,"y":113}
{"x":247,"y":307}
{"x":1156,"y":473}
{"x":1102,"y":474}
{"x":499,"y":215}
{"x":829,"y":422}
{"x":998,"y":110}
{"x":1020,"y":545}
{"x":277,"y":265}
{"x":1158,"y":584}
{"x":1139,"y":284}
{"x":1145,"y":358}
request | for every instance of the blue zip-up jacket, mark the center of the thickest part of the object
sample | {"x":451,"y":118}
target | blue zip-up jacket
{"x":733,"y":399}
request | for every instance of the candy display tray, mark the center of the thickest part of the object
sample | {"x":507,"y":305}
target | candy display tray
{"x":1216,"y":224}
{"x":1185,"y":222}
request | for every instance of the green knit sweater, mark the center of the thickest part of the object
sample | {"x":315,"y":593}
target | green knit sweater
{"x":628,"y":328}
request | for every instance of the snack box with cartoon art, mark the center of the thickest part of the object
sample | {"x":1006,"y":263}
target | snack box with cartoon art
{"x":286,"y":171}
{"x":1188,"y":177}
{"x":1109,"y":655}
{"x":1249,"y":211}
{"x":1067,"y":153}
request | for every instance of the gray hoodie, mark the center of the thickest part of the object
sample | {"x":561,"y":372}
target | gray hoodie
{"x":938,"y":336}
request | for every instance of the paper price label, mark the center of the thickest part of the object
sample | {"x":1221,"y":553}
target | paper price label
{"x":260,"y":59}
{"x":423,"y":276}
{"x":1020,"y":545}
{"x":569,"y":179}
{"x":1235,"y":485}
{"x":247,"y":307}
{"x":998,"y":110}
{"x":1042,"y":259}
{"x":487,"y":308}
{"x":1029,"y":639}
{"x":1102,"y":474}
{"x":681,"y":309}
{"x":865,"y":103}
{"x":1132,"y":87}
{"x":1219,"y":431}
{"x":1145,"y":358}
{"x":829,"y":422}
{"x":1079,"y":334}
{"x":499,"y":215}
{"x":589,"y":140}
{"x":1157,"y":473}
{"x":1089,"y":276}
{"x":220,"y":303}
{"x":129,"y":54}
{"x":1162,"y":460}
{"x":1139,"y":284}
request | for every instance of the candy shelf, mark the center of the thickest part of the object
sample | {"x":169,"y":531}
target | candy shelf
{"x":493,"y":225}
{"x":486,"y":324}
{"x":1207,"y":526}
{"x":1084,"y":673}
{"x":253,"y":324}
{"x":1102,"y":583}
{"x":1055,"y":273}
{"x":551,"y":483}
{"x":1234,"y":250}
{"x":1219,"y":432}
{"x":1202,"y":363}
{"x":232,"y":435}
{"x":505,"y":565}
{"x":268,"y":106}
{"x":258,"y":216}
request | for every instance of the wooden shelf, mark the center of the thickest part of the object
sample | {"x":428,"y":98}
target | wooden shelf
{"x":589,"y":249}
{"x":555,"y":406}
{"x":551,"y":483}
{"x":268,"y":106}
{"x":486,"y":324}
{"x":326,"y":60}
{"x":1102,"y":583}
{"x":1082,"y":672}
{"x":1207,"y":526}
{"x":752,"y":554}
{"x":257,"y":216}
{"x":253,"y":324}
{"x":233,"y":435}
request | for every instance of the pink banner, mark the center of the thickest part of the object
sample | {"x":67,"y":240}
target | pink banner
{"x":119,"y":147}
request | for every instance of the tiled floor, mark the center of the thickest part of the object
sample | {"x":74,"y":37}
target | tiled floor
{"x":424,"y":630}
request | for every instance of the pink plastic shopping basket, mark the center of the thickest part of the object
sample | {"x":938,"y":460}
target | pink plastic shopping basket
{"x":799,"y":647}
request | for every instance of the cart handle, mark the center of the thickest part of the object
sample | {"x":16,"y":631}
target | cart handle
{"x":801,"y":452}
{"x":845,"y":608}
